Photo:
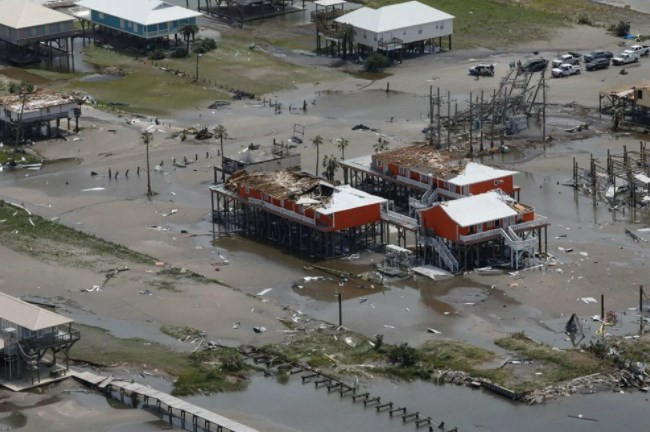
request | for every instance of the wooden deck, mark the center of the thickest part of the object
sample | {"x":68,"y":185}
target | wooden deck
{"x":200,"y":417}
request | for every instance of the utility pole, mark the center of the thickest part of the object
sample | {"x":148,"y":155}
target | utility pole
{"x":431,"y":115}
{"x":544,"y":107}
{"x":494,"y":98}
{"x":438,"y":113}
{"x":471,"y":124}
{"x":197,"y":66}
{"x":448,"y":120}
{"x":338,"y":295}
{"x":481,"y":122}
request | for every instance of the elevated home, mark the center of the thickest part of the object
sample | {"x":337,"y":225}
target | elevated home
{"x":35,"y":112}
{"x":145,"y":19}
{"x":256,"y":158}
{"x":27,"y":334}
{"x":299,"y":211}
{"x":399,"y":27}
{"x":412,"y":172}
{"x":479,"y":230}
{"x":26,"y":28}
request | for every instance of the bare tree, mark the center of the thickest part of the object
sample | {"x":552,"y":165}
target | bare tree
{"x":317,"y":141}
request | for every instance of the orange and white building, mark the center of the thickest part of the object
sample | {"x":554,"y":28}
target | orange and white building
{"x":481,"y":230}
{"x":298,"y":210}
{"x":409,"y":172}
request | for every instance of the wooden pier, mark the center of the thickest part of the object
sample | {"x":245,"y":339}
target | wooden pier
{"x":201,"y":418}
{"x":274,"y":364}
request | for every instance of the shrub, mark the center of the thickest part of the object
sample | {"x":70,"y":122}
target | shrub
{"x":379,"y":341}
{"x":156,"y":54}
{"x":376,"y":62}
{"x":179,"y":52}
{"x":621,"y":29}
{"x":584,"y":20}
{"x":404,"y":355}
{"x":205,"y":45}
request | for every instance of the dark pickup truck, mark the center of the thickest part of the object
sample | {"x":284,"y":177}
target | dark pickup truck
{"x":598,"y":63}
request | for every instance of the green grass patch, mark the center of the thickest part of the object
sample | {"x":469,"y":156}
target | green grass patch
{"x":53,"y":75}
{"x":494,"y":23}
{"x":210,"y":371}
{"x":97,"y":346}
{"x":148,"y":90}
{"x":21,"y":157}
{"x":184,"y":332}
{"x":556,"y":365}
{"x":213,"y":371}
{"x":233,"y":65}
{"x":49,"y":241}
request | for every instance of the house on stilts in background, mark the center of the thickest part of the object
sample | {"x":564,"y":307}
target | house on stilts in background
{"x":487,"y":229}
{"x":28,"y":30}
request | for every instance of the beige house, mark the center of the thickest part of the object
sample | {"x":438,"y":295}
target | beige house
{"x":29,"y":332}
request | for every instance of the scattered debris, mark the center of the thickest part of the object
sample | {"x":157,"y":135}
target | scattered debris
{"x":259,"y":329}
{"x":434,"y":331}
{"x":264,"y":291}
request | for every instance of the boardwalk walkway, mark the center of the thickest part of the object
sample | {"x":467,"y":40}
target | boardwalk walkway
{"x":200,"y":416}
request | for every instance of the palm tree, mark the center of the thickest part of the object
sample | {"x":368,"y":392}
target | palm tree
{"x":23,"y":89}
{"x":189,"y":31}
{"x":221,"y":133}
{"x":147,"y":136}
{"x":317,"y":141}
{"x":342,"y":143}
{"x":330,"y":166}
{"x":381,"y":145}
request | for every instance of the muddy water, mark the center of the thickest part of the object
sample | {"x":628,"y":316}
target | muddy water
{"x":294,"y":407}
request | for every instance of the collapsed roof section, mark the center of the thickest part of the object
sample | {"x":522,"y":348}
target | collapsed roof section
{"x":286,"y":184}
{"x":424,"y":159}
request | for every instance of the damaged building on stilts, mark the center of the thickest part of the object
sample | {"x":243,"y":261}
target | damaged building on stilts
{"x":409,"y":174}
{"x":299,"y":211}
{"x":488,"y":229}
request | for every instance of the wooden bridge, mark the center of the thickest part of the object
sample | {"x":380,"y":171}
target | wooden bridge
{"x":200,"y":417}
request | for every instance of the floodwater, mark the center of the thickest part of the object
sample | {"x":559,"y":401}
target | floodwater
{"x":295,"y":407}
{"x":638,"y":5}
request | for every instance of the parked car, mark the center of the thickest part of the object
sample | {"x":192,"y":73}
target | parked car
{"x":598,"y":63}
{"x":482,"y":69}
{"x":625,"y":58}
{"x":598,"y":54}
{"x":565,"y":69}
{"x":640,"y":50}
{"x":534,"y":65}
{"x":566,"y":59}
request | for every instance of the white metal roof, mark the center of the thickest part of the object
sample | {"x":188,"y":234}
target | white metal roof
{"x":19,"y":14}
{"x":326,"y":3}
{"x":478,"y":209}
{"x":476,"y":173}
{"x":345,"y":197}
{"x":144,"y":12}
{"x":393,"y":17}
{"x":28,"y":315}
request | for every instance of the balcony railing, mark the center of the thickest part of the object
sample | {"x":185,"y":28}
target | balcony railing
{"x":412,"y":182}
{"x":283,"y":211}
{"x":59,"y":337}
{"x":539,"y":221}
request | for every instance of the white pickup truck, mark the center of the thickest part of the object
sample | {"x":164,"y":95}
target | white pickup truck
{"x":640,"y":50}
{"x":565,"y":70}
{"x":625,"y":58}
